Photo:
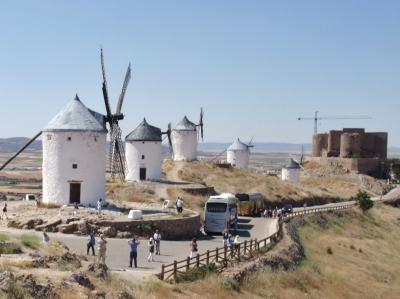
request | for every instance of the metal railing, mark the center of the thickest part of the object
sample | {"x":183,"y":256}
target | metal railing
{"x":221,"y":257}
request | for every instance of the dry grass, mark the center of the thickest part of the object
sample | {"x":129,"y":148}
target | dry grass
{"x":362,"y":263}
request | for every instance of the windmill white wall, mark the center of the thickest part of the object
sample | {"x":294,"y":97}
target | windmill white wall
{"x":74,"y":153}
{"x":143,"y":154}
{"x":184,"y":141}
{"x":238,"y":154}
{"x":291,"y":172}
{"x":88,"y":152}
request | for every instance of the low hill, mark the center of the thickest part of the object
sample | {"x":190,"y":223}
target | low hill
{"x":10,"y":145}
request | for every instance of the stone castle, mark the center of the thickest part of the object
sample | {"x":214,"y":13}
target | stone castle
{"x":354,"y":149}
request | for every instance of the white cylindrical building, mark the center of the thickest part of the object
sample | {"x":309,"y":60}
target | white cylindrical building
{"x":74,"y":156}
{"x":184,"y":141}
{"x":238,"y":154}
{"x":143,"y":153}
{"x":291,"y":172}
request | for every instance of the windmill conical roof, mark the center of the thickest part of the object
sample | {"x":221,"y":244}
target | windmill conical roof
{"x":144,"y":132}
{"x":76,"y":117}
{"x":237,"y":145}
{"x":185,"y":125}
{"x":292,"y":165}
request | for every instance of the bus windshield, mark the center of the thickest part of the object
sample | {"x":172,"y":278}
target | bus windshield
{"x":216,"y":207}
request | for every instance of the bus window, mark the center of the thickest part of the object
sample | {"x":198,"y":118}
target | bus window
{"x":216,"y":207}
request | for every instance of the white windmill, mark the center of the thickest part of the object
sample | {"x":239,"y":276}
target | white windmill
{"x":238,"y":154}
{"x":184,"y":138}
{"x":74,"y":156}
{"x":143,"y":151}
{"x":291,"y":171}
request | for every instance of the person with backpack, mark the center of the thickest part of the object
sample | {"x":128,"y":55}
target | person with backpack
{"x":91,"y":241}
{"x":151,"y":250}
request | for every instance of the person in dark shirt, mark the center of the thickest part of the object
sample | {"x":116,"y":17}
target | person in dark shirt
{"x":133,"y":254}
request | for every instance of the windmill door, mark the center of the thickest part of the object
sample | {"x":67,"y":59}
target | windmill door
{"x":75,"y":193}
{"x":142,"y":174}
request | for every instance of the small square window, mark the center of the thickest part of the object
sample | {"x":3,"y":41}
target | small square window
{"x":74,"y":166}
{"x":142,"y":157}
{"x":48,"y":137}
{"x":95,"y":139}
{"x":69,"y":138}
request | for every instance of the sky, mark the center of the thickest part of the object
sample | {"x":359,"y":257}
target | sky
{"x":254,"y":66}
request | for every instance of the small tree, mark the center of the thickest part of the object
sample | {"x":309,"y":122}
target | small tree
{"x":364,"y":201}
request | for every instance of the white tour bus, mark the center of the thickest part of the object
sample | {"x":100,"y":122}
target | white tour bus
{"x":220,"y":212}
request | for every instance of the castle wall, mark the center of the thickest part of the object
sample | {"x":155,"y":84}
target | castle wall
{"x":334,"y":143}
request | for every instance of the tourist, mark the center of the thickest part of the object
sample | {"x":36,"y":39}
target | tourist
{"x":91,"y":241}
{"x":179,"y":205}
{"x":151,"y":250}
{"x":4,"y":211}
{"x":157,"y":239}
{"x":236,"y":243}
{"x":99,"y":205}
{"x":46,"y":238}
{"x":133,"y":254}
{"x":193,"y":248}
{"x":76,"y":208}
{"x":225,"y":237}
{"x":102,"y":248}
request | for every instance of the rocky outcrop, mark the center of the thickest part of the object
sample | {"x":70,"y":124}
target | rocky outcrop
{"x":98,"y":270}
{"x":50,"y":226}
{"x":82,"y":280}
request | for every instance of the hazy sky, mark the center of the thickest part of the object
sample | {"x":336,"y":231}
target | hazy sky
{"x":255,"y":66}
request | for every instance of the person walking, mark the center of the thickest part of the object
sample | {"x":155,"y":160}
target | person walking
{"x":193,"y":248}
{"x":133,"y":254}
{"x":157,"y":240}
{"x":225,"y":237}
{"x":99,"y":206}
{"x":151,"y":250}
{"x":4,"y":211}
{"x":102,"y":249}
{"x":91,"y":241}
{"x":236,"y":243}
{"x":46,"y":238}
{"x":179,"y":205}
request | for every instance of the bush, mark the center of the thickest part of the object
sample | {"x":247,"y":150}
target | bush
{"x":9,"y":248}
{"x":229,"y":284}
{"x":364,"y":201}
{"x":329,"y":250}
{"x":30,"y":241}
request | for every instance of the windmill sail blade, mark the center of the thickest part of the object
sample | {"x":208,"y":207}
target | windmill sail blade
{"x":20,"y":150}
{"x":201,"y":124}
{"x":104,"y":87}
{"x":123,"y":91}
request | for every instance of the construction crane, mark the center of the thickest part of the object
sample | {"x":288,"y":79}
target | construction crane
{"x":316,"y":118}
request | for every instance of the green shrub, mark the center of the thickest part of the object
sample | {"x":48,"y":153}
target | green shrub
{"x":4,"y":237}
{"x":364,"y":201}
{"x":9,"y":248}
{"x":229,"y":284}
{"x":30,"y":241}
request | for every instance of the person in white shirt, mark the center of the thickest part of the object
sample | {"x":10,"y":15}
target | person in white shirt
{"x":157,"y":240}
{"x":179,"y":205}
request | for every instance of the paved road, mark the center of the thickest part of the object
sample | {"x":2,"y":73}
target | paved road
{"x":118,"y":249}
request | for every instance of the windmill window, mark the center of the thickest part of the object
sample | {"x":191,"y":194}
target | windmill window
{"x":69,"y":138}
{"x":142,"y":157}
{"x":95,"y":139}
{"x":48,"y":137}
{"x":74,"y":166}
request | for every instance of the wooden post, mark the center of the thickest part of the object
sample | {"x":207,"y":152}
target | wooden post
{"x":238,"y":251}
{"x":251,"y":245}
{"x":162,"y":272}
{"x":225,"y":252}
{"x":208,"y":257}
{"x":256,"y":247}
{"x":245,"y":245}
{"x":187,"y":264}
{"x":175,"y":269}
{"x":265,"y":242}
{"x":216,"y":255}
{"x":198,"y":260}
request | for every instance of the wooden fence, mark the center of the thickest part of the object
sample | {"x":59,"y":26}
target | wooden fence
{"x":221,"y":257}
